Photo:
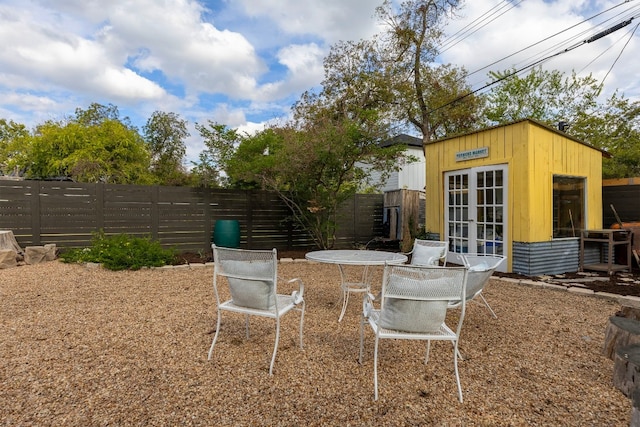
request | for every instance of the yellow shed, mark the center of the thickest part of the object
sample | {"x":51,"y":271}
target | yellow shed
{"x":523,"y":190}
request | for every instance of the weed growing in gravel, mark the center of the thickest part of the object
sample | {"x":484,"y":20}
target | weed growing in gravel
{"x":121,"y":252}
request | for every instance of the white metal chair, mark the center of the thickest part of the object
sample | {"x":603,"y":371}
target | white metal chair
{"x":252,"y":277}
{"x":413,"y":306}
{"x":481,"y":267}
{"x":429,"y":252}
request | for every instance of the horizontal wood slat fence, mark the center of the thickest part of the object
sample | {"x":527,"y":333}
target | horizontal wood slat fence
{"x":625,"y":200}
{"x":41,"y":212}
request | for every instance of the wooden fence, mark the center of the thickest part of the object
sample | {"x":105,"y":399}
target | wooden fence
{"x":40,"y":212}
{"x":624,"y":195}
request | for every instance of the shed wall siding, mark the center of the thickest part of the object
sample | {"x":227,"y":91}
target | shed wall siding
{"x":554,"y":257}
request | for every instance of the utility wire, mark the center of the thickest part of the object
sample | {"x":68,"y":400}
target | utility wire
{"x":605,"y":51}
{"x":465,"y":32}
{"x":578,"y":37}
{"x":506,"y":76}
{"x":581,"y":40}
{"x":546,"y":39}
{"x":619,"y":55}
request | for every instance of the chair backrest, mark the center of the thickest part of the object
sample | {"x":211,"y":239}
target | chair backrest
{"x":490,"y":261}
{"x":481,"y":268}
{"x":251,"y":274}
{"x":429,"y":252}
{"x":415,"y":298}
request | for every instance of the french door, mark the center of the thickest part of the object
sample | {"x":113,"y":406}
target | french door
{"x":476,"y":210}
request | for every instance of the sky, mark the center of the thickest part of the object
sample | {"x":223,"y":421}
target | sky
{"x":244,"y":63}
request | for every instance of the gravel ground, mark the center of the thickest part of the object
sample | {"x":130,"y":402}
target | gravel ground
{"x":83,"y":346}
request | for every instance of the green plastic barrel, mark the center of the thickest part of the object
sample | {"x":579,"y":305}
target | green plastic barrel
{"x":226,"y":233}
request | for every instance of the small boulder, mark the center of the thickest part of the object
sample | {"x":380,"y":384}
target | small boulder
{"x":8,"y":258}
{"x":34,"y":254}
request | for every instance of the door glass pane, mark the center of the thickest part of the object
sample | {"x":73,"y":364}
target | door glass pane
{"x":458,"y":211}
{"x":489,"y":212}
{"x":475,"y":210}
{"x":465,"y":230}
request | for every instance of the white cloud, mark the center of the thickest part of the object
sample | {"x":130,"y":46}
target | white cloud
{"x":44,"y":56}
{"x":332,"y":20}
{"x":243,"y":62}
{"x":304,"y":71}
{"x":528,"y":26}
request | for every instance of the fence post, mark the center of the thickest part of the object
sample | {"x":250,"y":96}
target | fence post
{"x":99,"y":203}
{"x":35,"y":214}
{"x":208,"y":217}
{"x":155,"y":215}
{"x":249,"y":217}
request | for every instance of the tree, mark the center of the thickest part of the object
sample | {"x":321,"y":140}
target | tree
{"x":614,"y":127}
{"x":544,"y":95}
{"x":551,"y":97}
{"x":12,"y":140}
{"x":314,"y":165}
{"x":164,"y":134}
{"x":95,"y":146}
{"x":452,"y":109}
{"x":433,"y":98}
{"x":354,"y":82}
{"x":97,"y":114}
{"x":221,"y":143}
{"x":331,"y":147}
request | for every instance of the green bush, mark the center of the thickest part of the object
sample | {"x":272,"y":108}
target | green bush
{"x":122,"y":252}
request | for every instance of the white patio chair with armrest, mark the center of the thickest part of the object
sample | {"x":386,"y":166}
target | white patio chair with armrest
{"x":413,"y":305}
{"x":428,"y":252}
{"x":252,"y":277}
{"x":481,"y":268}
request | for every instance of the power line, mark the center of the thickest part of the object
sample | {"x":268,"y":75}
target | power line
{"x":605,"y":51}
{"x":579,"y":38}
{"x":546,"y":39}
{"x":469,"y":29}
{"x":619,"y":55}
{"x":575,"y":46}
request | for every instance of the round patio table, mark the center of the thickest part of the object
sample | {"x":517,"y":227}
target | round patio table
{"x":364,"y":258}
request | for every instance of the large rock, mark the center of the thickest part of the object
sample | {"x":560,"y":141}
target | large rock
{"x":50,"y":252}
{"x":8,"y":258}
{"x":34,"y":254}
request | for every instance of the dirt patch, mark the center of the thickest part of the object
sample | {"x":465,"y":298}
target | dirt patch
{"x":85,"y":346}
{"x":619,"y":283}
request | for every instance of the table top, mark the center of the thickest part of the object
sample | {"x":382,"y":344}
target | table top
{"x":356,"y":257}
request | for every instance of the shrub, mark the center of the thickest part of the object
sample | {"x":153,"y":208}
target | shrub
{"x":122,"y":252}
